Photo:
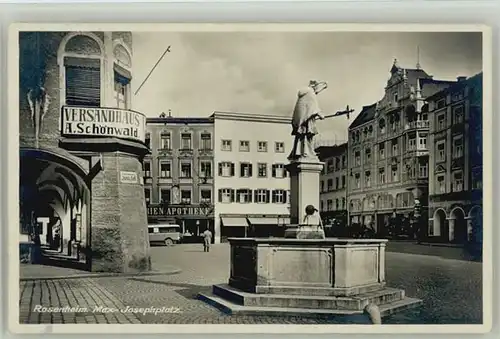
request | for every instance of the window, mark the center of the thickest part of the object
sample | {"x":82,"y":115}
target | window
{"x":422,"y":141}
{"x":337,"y":202}
{"x":441,"y":122}
{"x":395,"y":174}
{"x":477,"y":179}
{"x":206,"y":196}
{"x":245,"y":170}
{"x":165,"y":195}
{"x":322,"y":186}
{"x":226,"y":169}
{"x":329,"y":204}
{"x":343,"y":181}
{"x":244,"y":146}
{"x":344,"y":161}
{"x":122,"y":90}
{"x":337,"y":164}
{"x":244,"y":196}
{"x":278,"y":171}
{"x":279,"y":147}
{"x":147,"y":195}
{"x":395,"y":147}
{"x":382,"y":126}
{"x":441,"y":152}
{"x":166,"y":141}
{"x":440,"y":103}
{"x":226,"y":145}
{"x":261,"y":146}
{"x":368,"y":155}
{"x":458,"y":181}
{"x":185,"y":196}
{"x":423,"y":170}
{"x":343,"y":203}
{"x":206,"y":141}
{"x":147,"y":141}
{"x":83,"y":81}
{"x":441,"y":184}
{"x":226,"y":195}
{"x":458,"y":147}
{"x":146,"y":169}
{"x":262,"y":169}
{"x":368,"y":181}
{"x":329,"y":165}
{"x":205,"y":169}
{"x":381,"y":151}
{"x":357,"y":180}
{"x":261,"y":196}
{"x":279,"y":196}
{"x":337,"y":183}
{"x":381,"y":175}
{"x":322,"y":204}
{"x":412,"y":143}
{"x":357,"y":157}
{"x":165,"y":169}
{"x":186,"y":141}
{"x":330,"y":184}
{"x":395,"y":98}
{"x":185,"y":169}
{"x":458,"y":114}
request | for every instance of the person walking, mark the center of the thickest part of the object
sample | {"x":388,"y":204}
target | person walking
{"x":207,"y":239}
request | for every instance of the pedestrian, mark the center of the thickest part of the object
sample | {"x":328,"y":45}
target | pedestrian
{"x":207,"y":239}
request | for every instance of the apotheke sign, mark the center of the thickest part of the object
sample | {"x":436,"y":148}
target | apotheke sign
{"x":103,"y":122}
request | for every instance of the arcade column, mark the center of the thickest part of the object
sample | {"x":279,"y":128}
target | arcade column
{"x":119,"y":237}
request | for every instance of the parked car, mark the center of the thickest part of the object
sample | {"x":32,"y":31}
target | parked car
{"x":168,"y":234}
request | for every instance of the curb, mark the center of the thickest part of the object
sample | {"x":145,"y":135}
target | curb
{"x":103,"y":275}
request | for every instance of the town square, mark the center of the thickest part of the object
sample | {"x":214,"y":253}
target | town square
{"x":169,"y":178}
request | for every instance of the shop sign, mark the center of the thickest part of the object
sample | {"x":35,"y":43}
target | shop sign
{"x":179,"y":210}
{"x":103,"y":122}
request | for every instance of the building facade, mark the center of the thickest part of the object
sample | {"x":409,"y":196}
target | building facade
{"x":388,"y":155}
{"x":81,"y":148}
{"x":179,"y":173}
{"x":456,"y":163}
{"x":333,"y":184}
{"x":251,"y":186}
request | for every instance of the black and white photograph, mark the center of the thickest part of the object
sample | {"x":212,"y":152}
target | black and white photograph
{"x":249,"y":175}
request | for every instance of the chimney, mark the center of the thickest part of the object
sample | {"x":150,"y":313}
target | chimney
{"x":461,"y":78}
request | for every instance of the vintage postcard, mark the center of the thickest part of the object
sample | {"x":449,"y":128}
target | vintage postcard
{"x":221,"y":177}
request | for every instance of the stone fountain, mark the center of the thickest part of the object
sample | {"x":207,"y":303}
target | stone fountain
{"x":304,"y":273}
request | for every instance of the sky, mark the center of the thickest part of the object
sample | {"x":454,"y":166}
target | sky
{"x":261,"y":72}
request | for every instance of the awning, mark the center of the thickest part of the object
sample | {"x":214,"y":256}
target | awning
{"x":264,"y":221}
{"x":234,"y":222}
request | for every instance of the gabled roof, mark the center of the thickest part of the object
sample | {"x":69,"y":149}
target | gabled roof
{"x":366,"y":114}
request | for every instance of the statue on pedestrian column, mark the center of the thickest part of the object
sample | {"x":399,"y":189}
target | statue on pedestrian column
{"x":304,"y":118}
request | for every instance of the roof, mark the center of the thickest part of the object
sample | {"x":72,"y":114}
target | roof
{"x":430,"y":86}
{"x":179,"y":120}
{"x":366,"y":114}
{"x":251,"y":117}
{"x":473,"y":80}
{"x":328,"y":151}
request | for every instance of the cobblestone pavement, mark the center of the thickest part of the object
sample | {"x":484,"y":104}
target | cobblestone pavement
{"x":451,"y":290}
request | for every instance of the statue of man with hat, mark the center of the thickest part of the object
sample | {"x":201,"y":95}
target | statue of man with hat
{"x":304,"y":118}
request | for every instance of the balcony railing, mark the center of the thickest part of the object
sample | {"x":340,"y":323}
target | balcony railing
{"x":417,"y":124}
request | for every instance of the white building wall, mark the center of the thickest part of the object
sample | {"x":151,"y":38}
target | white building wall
{"x":254,"y":128}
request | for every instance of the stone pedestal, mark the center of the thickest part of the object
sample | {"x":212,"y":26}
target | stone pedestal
{"x":307,"y":277}
{"x":304,"y":187}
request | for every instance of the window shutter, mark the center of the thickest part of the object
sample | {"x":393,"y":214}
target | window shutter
{"x":232,"y":169}
{"x":284,"y":196}
{"x":250,"y":170}
{"x":83,"y":82}
{"x":256,"y":196}
{"x":273,"y":196}
{"x":241,"y":170}
{"x":274,"y":171}
{"x":232,"y":195}
{"x":267,"y":196}
{"x":220,"y":169}
{"x":285,"y":172}
{"x":249,"y":195}
{"x":220,"y":195}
